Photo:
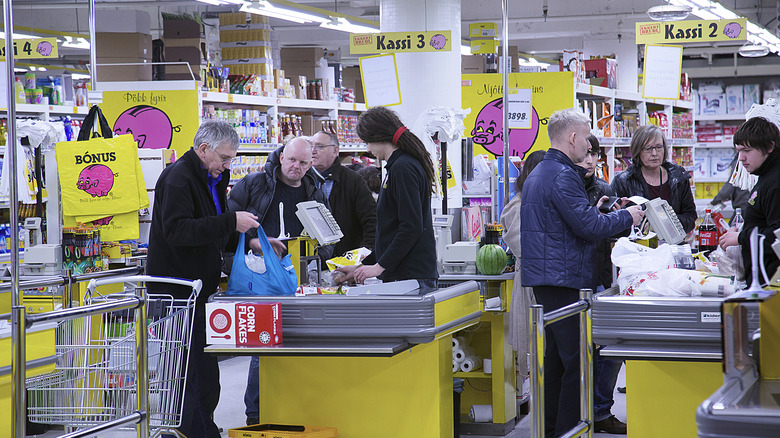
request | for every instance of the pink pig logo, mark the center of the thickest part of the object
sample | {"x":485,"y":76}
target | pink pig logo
{"x":150,"y":126}
{"x":438,"y":41}
{"x":102,"y":220}
{"x":732,"y":30}
{"x":96,"y":179}
{"x":488,"y":131}
{"x":44,"y":48}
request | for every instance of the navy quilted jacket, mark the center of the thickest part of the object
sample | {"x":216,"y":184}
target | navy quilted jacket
{"x":559,"y":227}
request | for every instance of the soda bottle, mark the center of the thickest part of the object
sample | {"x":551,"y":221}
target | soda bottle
{"x":738,"y":221}
{"x":708,"y":233}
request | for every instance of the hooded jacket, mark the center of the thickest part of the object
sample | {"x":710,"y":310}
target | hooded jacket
{"x":763,"y":211}
{"x":559,"y":227}
{"x":631,"y":183}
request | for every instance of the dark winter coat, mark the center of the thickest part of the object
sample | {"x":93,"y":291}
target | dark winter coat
{"x":596,"y":188}
{"x":354,"y":209}
{"x":763,"y":211}
{"x":559,"y":227}
{"x":631,"y":183}
{"x":187,"y":236}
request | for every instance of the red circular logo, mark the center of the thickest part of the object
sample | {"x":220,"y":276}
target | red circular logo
{"x":220,"y":320}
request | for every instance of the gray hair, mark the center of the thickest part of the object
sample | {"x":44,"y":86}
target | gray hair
{"x":333,"y":137}
{"x":644,"y":135}
{"x":305,"y":138}
{"x":216,"y":133}
{"x":561,"y":122}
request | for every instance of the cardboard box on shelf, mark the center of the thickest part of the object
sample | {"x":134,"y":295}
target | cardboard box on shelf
{"x":191,"y":55}
{"x":472,"y":64}
{"x":182,"y":72}
{"x":712,"y":104}
{"x":122,"y":21}
{"x":184,"y":42}
{"x":601,"y":72}
{"x":182,"y":29}
{"x":308,"y":125}
{"x":735,"y":99}
{"x":294,"y":55}
{"x":123,"y":45}
{"x":141,"y":71}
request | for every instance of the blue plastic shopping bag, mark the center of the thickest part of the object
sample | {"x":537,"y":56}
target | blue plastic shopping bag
{"x":279,"y":277}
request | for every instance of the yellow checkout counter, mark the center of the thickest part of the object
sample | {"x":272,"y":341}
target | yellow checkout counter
{"x":673,"y":352}
{"x":370,"y":365}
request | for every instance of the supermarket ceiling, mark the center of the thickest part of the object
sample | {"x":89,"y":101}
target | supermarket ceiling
{"x":568,"y":23}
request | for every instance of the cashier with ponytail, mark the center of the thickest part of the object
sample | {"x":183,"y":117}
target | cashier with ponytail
{"x":405,"y":247}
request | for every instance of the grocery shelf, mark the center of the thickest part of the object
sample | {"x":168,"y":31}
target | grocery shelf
{"x":280,"y":102}
{"x":722,"y":145}
{"x":711,"y":117}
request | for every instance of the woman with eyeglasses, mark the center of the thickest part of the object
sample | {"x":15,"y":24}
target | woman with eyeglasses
{"x":652,"y":176}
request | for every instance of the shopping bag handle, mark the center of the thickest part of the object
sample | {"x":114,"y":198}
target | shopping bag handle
{"x":88,"y":127}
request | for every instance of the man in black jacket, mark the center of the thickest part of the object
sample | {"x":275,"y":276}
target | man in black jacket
{"x":190,"y":227}
{"x":285,"y":181}
{"x":351,"y":202}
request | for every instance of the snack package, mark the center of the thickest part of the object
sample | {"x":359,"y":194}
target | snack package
{"x":350,"y":258}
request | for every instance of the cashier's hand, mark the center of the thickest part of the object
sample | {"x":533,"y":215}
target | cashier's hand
{"x":636,"y":213}
{"x":367,"y":271}
{"x":348,"y":272}
{"x":245,"y":221}
{"x":729,"y":238}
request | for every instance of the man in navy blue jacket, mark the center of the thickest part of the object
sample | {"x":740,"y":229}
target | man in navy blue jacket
{"x":559,"y":228}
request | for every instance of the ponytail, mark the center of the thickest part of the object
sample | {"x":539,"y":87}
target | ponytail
{"x":381,"y":125}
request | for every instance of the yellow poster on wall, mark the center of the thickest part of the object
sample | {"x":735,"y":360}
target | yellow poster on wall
{"x":158,"y":119}
{"x":482,"y":93}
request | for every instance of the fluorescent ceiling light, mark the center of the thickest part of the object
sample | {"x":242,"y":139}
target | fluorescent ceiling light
{"x":18,"y":36}
{"x":532,"y":62}
{"x":76,"y":43}
{"x":342,"y":24}
{"x":669,"y":12}
{"x":263,"y":7}
{"x":751,"y":50}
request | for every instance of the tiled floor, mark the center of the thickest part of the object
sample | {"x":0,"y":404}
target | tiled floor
{"x":230,"y":412}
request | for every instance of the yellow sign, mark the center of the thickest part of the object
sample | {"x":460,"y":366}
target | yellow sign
{"x":33,"y":48}
{"x":482,"y":93}
{"x":691,"y":31}
{"x":400,"y":42}
{"x":158,"y":119}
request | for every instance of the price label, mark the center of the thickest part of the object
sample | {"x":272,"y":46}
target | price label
{"x":519,"y":109}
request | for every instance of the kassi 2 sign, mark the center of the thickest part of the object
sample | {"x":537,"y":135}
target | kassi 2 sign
{"x":691,"y":31}
{"x":400,"y":42}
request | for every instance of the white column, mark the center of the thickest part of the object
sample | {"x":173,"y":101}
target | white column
{"x":429,"y":79}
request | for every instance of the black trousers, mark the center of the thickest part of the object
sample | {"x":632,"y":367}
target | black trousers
{"x":561,"y":362}
{"x":202,"y":388}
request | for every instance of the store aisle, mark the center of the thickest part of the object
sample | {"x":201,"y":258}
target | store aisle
{"x":230,"y":411}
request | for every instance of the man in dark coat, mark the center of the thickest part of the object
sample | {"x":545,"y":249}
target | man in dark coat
{"x":190,"y":227}
{"x":558,"y":233}
{"x":351,"y":202}
{"x":287,"y":179}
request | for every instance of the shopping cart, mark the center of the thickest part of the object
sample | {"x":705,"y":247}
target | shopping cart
{"x":95,"y":377}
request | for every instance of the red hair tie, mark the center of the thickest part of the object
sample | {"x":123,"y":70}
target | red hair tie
{"x":398,"y":134}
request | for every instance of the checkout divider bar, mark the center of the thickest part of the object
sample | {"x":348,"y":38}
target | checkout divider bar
{"x":19,"y":323}
{"x":537,"y":322}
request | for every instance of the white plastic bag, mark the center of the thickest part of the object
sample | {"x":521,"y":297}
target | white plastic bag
{"x":729,"y":261}
{"x":255,"y":263}
{"x":633,"y":258}
{"x":677,"y":283}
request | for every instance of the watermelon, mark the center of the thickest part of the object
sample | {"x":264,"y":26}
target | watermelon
{"x":491,"y":260}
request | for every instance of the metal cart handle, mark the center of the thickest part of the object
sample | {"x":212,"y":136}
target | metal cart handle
{"x":196,"y":285}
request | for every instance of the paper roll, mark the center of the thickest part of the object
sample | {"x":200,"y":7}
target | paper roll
{"x":455,"y":366}
{"x":481,"y":413}
{"x":487,"y":366}
{"x":462,"y":353}
{"x":459,"y":342}
{"x":471,"y":363}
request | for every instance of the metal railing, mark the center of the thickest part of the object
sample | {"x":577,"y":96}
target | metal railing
{"x":20,"y":322}
{"x":538,"y":321}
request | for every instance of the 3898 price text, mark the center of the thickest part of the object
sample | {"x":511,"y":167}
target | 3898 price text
{"x":517,"y":116}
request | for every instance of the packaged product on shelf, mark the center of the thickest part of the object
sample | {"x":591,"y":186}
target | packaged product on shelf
{"x":735,"y":99}
{"x":752,"y":95}
{"x":701,"y":164}
{"x":712,"y":103}
{"x":720,"y":163}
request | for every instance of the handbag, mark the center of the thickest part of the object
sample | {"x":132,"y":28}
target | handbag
{"x":278,"y":279}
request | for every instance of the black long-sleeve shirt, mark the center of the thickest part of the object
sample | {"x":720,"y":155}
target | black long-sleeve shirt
{"x":405,"y":245}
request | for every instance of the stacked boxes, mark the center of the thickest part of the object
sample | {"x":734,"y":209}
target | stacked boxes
{"x":123,"y":37}
{"x":184,"y":42}
{"x":601,"y":72}
{"x":709,"y":132}
{"x":245,"y":41}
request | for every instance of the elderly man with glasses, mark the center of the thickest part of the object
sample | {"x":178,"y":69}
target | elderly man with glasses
{"x":351,"y":202}
{"x":652,"y":176}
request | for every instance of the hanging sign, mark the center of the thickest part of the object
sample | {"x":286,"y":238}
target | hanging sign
{"x":400,"y":42}
{"x":32,"y":48}
{"x":691,"y":31}
{"x":380,"y":80}
{"x":519,"y":109}
{"x":663,"y":65}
